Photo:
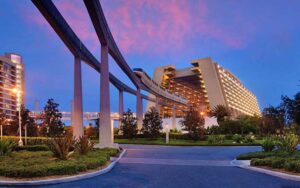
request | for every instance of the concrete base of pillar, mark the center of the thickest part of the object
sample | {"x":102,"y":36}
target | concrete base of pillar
{"x":101,"y":146}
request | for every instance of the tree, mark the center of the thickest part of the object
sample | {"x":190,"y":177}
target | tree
{"x":193,"y":122}
{"x":2,"y":119}
{"x":97,"y":127}
{"x":273,"y":120}
{"x":152,"y":123}
{"x":129,"y":125}
{"x":248,"y":124}
{"x":52,"y":125}
{"x":90,"y":131}
{"x":26,"y":120}
{"x":292,"y":107}
{"x":221,"y":112}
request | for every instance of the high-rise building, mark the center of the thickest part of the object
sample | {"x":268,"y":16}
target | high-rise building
{"x":206,"y":85}
{"x":12,"y":84}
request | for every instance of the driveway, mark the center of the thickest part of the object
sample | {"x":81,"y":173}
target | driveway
{"x":172,"y":166}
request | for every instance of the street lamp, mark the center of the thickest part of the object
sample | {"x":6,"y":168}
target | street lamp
{"x":18,"y":93}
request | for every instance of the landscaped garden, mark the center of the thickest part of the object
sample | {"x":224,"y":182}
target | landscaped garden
{"x":60,"y":156}
{"x":279,"y":153}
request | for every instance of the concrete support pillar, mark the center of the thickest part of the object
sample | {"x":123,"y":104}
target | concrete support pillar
{"x":121,"y":107}
{"x":157,"y":106}
{"x":106,"y":130}
{"x":77,"y":116}
{"x":139,"y":109}
{"x":174,"y":118}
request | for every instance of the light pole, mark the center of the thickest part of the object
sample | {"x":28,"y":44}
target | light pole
{"x":18,"y":92}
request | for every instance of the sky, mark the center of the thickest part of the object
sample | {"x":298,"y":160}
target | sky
{"x":258,"y":41}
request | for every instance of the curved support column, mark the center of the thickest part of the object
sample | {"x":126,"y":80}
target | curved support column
{"x":77,"y":117}
{"x":139,"y":108}
{"x":174,"y":118}
{"x":106,"y":129}
{"x":121,"y":107}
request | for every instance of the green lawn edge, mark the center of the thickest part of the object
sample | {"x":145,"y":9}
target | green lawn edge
{"x":139,"y":141}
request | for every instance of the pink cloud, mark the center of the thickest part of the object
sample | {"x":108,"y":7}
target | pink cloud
{"x":152,"y":27}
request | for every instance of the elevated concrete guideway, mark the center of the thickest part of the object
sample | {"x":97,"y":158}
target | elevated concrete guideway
{"x":108,"y":46}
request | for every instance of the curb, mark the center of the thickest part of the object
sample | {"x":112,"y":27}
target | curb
{"x":245,"y":164}
{"x":65,"y":179}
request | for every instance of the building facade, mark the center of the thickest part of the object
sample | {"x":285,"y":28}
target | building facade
{"x":205,"y":84}
{"x":12,"y":84}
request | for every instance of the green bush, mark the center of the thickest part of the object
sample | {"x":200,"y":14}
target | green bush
{"x":292,"y":165}
{"x":216,"y":139}
{"x":250,"y":138}
{"x":261,"y":162}
{"x":237,"y":138}
{"x":84,"y":145}
{"x":278,"y":163}
{"x":32,"y":148}
{"x":111,"y":151}
{"x":258,"y":155}
{"x":268,"y":144}
{"x":6,"y":147}
{"x":288,"y":143}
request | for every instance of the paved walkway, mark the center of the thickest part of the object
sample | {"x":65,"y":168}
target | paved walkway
{"x":162,"y":166}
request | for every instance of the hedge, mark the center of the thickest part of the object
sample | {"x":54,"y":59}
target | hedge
{"x":251,"y":155}
{"x":32,"y":148}
{"x":30,"y":140}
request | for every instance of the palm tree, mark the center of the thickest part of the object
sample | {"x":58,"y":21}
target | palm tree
{"x":221,"y":112}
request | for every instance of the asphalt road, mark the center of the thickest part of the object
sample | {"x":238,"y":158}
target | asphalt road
{"x":163,"y":166}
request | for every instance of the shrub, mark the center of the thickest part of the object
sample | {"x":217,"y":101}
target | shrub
{"x":61,"y":146}
{"x":252,"y":155}
{"x":213,"y":130}
{"x":111,"y":151}
{"x":292,"y":165}
{"x":6,"y":147}
{"x":277,"y":163}
{"x":268,"y":144}
{"x":32,"y":148}
{"x":237,"y":138}
{"x":250,"y":138}
{"x":84,"y":145}
{"x":175,"y":131}
{"x":288,"y":143}
{"x":261,"y":162}
{"x":216,"y":139}
{"x":274,"y":162}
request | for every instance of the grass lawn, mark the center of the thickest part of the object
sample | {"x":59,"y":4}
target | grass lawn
{"x":181,"y":142}
{"x":28,"y":164}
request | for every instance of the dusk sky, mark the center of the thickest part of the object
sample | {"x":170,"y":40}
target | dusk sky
{"x":258,"y":41}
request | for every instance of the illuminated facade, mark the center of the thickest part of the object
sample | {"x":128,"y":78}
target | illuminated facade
{"x":11,"y":80}
{"x":205,"y":85}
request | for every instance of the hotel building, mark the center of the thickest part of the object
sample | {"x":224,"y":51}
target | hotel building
{"x":205,"y":84}
{"x":11,"y":78}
